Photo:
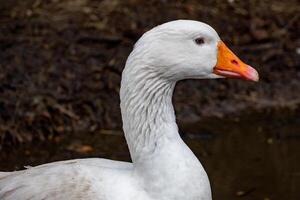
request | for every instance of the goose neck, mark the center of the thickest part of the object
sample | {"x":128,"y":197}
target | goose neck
{"x":147,"y":112}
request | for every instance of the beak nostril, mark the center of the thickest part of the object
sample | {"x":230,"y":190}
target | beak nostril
{"x":234,"y":62}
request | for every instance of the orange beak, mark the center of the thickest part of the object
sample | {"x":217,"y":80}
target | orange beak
{"x":229,"y":65}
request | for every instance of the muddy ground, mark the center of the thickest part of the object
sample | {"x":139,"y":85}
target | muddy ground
{"x":60,"y":67}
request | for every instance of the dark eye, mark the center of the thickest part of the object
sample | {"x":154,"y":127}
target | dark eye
{"x":199,"y":40}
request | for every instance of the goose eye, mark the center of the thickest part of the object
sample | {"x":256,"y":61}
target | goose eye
{"x":199,"y":41}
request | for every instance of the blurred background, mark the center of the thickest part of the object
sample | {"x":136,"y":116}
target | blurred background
{"x":60,"y":68}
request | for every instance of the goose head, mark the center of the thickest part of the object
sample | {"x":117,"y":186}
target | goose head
{"x":185,"y":49}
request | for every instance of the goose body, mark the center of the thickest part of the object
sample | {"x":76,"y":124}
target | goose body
{"x":163,"y":167}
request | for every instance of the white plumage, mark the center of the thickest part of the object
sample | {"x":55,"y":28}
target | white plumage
{"x":163,"y":166}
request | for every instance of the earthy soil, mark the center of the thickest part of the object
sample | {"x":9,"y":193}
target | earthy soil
{"x":60,"y":67}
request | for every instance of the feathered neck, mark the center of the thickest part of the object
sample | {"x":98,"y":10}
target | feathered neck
{"x":146,"y":105}
{"x":152,"y":134}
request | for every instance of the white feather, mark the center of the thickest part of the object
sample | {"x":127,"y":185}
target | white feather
{"x":163,"y":166}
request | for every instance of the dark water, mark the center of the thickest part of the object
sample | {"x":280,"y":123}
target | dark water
{"x":248,"y":156}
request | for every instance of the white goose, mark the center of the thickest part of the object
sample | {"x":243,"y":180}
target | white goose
{"x":163,"y":167}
